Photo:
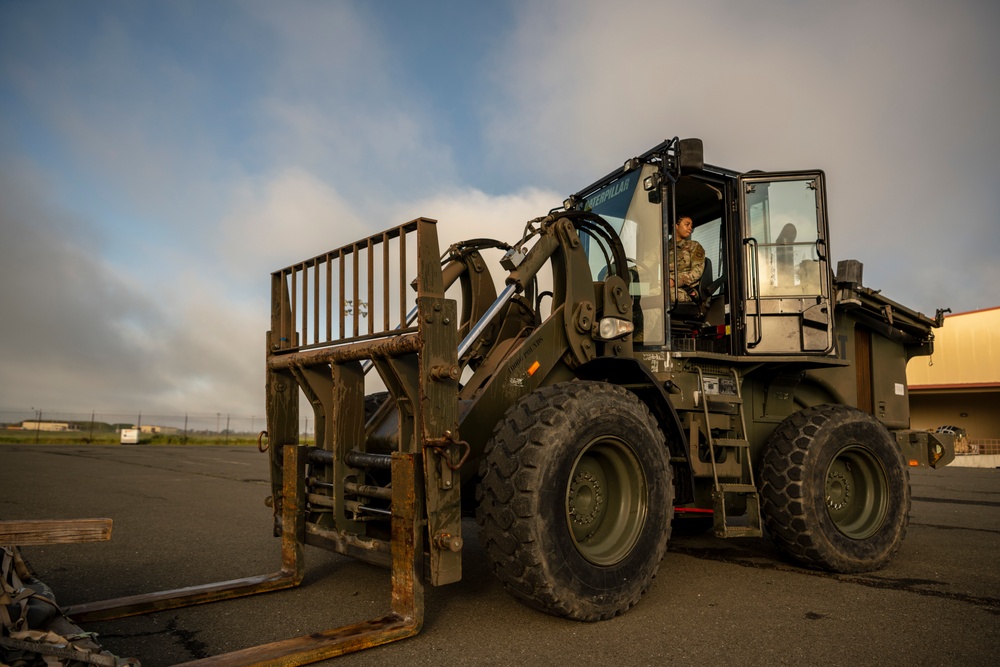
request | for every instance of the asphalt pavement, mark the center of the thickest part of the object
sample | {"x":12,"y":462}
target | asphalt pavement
{"x":192,"y":515}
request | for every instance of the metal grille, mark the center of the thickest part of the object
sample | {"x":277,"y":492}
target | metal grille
{"x":357,"y":292}
{"x":982,"y":446}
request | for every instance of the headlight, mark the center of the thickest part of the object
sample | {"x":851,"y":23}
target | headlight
{"x":611,"y":328}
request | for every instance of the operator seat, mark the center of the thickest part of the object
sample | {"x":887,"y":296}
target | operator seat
{"x":691,"y":311}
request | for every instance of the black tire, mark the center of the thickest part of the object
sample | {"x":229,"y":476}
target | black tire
{"x":835,"y":490}
{"x":576,"y":500}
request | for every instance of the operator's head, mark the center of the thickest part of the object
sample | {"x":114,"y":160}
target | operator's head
{"x":683,"y":227}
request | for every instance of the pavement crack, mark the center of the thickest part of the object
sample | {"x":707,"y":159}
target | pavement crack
{"x":197,"y":648}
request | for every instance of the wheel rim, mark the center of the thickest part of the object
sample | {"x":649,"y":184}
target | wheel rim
{"x":856,"y":492}
{"x":606,"y":501}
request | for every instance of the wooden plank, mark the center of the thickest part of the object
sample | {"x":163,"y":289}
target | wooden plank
{"x":54,"y":531}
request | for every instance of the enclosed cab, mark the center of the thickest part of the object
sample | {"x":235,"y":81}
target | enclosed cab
{"x":770,"y":333}
{"x":767,"y":295}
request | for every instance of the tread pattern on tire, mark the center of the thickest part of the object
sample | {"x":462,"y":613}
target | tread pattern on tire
{"x":508,"y":509}
{"x":788,"y":511}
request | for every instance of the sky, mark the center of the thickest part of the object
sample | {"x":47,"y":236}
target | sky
{"x":158,"y":160}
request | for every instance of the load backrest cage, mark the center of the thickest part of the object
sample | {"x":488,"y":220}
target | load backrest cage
{"x":331,"y":317}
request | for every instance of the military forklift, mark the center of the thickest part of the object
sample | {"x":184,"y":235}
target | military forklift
{"x":578,"y":407}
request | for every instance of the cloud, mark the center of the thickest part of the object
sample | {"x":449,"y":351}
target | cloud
{"x":124,"y":120}
{"x":82,"y":335}
{"x":469,"y":213}
{"x":284,"y":218}
{"x":177,"y":176}
{"x":178,"y":155}
{"x":892,"y":105}
{"x":335,"y":101}
{"x":71,"y":317}
{"x":88,"y":336}
{"x":158,"y":132}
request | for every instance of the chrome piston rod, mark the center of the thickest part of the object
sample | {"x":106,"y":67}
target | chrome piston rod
{"x":486,"y":319}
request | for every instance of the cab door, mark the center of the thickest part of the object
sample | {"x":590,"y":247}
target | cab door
{"x":786,"y":281}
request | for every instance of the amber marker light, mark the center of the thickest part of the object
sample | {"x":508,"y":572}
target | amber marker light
{"x":914,"y":463}
{"x":533,"y":367}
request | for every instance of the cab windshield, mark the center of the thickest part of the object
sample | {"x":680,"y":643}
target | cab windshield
{"x":626,"y":206}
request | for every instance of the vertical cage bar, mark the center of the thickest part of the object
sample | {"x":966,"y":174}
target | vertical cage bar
{"x":354,"y":285}
{"x":385,"y":281}
{"x":371,"y":285}
{"x":329,"y":297}
{"x":305,"y":304}
{"x":316,"y":311}
{"x":402,"y":276}
{"x":283,"y":305}
{"x":340,"y":299}
{"x":277,"y":303}
{"x":293,"y":339}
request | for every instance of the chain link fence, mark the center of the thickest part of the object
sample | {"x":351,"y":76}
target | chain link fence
{"x":53,"y":426}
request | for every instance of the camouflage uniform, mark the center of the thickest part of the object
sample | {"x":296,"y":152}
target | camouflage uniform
{"x":690,"y":266}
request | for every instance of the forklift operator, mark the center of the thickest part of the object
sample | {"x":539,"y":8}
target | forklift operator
{"x":690,"y":261}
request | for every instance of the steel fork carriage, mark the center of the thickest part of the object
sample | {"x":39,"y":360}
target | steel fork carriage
{"x":376,"y":496}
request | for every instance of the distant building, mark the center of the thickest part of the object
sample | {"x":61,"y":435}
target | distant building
{"x":959,"y":385}
{"x":46,"y":426}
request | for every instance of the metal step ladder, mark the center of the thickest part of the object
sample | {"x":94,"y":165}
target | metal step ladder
{"x":748,"y":524}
